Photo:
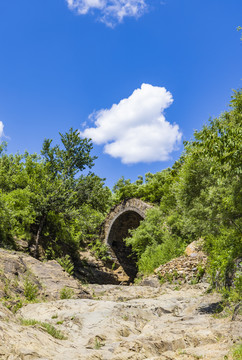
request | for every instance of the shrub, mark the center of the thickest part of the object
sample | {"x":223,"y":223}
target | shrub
{"x":30,"y":290}
{"x":66,"y":293}
{"x":237,"y":352}
{"x":67,"y":264}
{"x":100,"y":250}
{"x":156,"y":255}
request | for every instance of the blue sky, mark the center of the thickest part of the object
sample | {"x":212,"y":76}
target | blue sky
{"x":82,"y":63}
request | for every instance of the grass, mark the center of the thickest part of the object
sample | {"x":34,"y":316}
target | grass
{"x":98,"y":344}
{"x":30,"y":290}
{"x":183,"y":352}
{"x":50,"y":329}
{"x":66,"y":293}
{"x":237,"y":352}
{"x":14,"y":303}
{"x":177,"y":288}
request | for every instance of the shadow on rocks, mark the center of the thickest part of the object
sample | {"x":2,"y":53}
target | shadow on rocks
{"x":213,"y":308}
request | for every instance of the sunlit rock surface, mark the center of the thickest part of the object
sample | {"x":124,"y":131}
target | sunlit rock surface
{"x":120,"y":323}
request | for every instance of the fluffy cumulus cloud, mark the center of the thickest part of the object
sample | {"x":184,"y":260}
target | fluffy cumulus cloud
{"x":111,"y":12}
{"x":1,"y":128}
{"x":136,"y":130}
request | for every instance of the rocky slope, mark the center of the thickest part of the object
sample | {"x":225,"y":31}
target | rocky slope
{"x":49,"y":278}
{"x":120,"y":323}
{"x":165,"y":322}
{"x":89,"y":269}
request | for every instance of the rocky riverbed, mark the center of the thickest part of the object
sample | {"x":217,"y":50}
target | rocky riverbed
{"x":121,"y":323}
{"x":176,"y":321}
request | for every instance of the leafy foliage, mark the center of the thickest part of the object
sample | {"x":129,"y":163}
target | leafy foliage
{"x":154,"y":242}
{"x":66,"y":293}
{"x":47,"y":201}
{"x":30,"y":290}
{"x":99,"y":249}
{"x":200,"y":196}
{"x":151,"y":190}
{"x":67,"y":264}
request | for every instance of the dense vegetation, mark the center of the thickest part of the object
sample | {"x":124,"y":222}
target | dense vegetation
{"x":46,"y":200}
{"x":199,"y":197}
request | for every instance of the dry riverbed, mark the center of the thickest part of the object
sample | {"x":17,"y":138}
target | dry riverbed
{"x":121,"y":323}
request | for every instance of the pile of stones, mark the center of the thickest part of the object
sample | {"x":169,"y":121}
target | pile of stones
{"x":187,"y":268}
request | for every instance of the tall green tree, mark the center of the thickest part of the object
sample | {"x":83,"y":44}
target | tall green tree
{"x":201,"y":196}
{"x":56,"y":187}
{"x":46,"y":197}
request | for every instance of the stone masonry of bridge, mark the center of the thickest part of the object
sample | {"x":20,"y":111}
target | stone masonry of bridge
{"x":123,"y":217}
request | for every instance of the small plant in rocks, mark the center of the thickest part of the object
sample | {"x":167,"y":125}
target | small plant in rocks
{"x":50,"y":329}
{"x":30,"y":290}
{"x":66,"y":293}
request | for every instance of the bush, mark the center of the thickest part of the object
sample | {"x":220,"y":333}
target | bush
{"x":66,"y":293}
{"x":154,"y":242}
{"x":67,"y":264}
{"x":100,"y":250}
{"x":30,"y":290}
{"x":223,"y":249}
{"x":158,"y":254}
{"x":149,"y":232}
{"x":237,"y":352}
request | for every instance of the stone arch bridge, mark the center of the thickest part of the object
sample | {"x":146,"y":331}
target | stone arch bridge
{"x":123,"y":217}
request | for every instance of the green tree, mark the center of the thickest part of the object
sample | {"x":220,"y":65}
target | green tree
{"x":56,"y":187}
{"x":45,"y":197}
{"x":201,"y":196}
{"x":91,"y":191}
{"x":124,"y":189}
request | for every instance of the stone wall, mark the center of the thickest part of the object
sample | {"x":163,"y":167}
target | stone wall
{"x":131,"y":205}
{"x":123,"y":217}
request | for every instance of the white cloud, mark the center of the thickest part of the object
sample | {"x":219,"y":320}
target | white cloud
{"x":111,"y":11}
{"x":136,"y":130}
{"x":1,"y":128}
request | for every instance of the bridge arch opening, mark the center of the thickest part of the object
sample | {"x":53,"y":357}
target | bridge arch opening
{"x":119,"y":230}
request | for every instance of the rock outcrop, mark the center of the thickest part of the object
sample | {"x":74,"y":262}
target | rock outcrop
{"x":89,"y":269}
{"x":121,"y":323}
{"x":109,"y":322}
{"x":49,"y":278}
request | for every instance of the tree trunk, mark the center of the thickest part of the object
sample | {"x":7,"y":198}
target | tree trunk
{"x":41,"y":225}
